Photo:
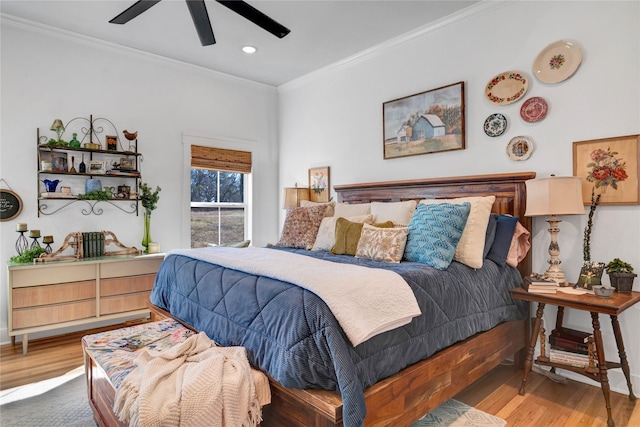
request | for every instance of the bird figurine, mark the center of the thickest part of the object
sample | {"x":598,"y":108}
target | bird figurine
{"x":130,"y":135}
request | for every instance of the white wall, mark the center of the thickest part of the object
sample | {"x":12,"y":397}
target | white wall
{"x":49,"y":74}
{"x":334,"y":118}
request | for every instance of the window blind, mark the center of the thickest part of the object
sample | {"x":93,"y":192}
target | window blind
{"x":220,"y":159}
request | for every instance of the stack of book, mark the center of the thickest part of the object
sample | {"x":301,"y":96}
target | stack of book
{"x":92,"y":244}
{"x":539,"y":285}
{"x":570,"y":347}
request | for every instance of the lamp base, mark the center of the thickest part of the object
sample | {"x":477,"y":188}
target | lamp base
{"x":554,"y":271}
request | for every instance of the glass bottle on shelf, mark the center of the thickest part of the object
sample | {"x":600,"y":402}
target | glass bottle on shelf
{"x":82,"y":168}
{"x":74,"y":141}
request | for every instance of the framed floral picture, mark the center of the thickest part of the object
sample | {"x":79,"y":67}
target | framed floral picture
{"x":319,"y":185}
{"x":427,"y":122}
{"x":609,"y":167}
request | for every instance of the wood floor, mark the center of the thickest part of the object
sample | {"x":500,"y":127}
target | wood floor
{"x":546,"y":403}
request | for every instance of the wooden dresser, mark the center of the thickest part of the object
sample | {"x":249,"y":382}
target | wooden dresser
{"x":56,"y":295}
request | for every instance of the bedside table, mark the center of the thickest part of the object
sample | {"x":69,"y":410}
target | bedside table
{"x":613,"y":306}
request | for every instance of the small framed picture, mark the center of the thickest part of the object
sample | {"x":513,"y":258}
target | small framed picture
{"x":96,"y":167}
{"x":124,"y":192}
{"x":112,"y":142}
{"x":59,"y":164}
{"x":319,"y":183}
{"x":127,"y":164}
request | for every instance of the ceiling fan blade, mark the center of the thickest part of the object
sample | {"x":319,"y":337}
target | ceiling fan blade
{"x":134,"y":10}
{"x":200,"y":17}
{"x":254,"y":15}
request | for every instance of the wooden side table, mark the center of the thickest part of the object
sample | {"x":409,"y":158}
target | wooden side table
{"x":613,"y":306}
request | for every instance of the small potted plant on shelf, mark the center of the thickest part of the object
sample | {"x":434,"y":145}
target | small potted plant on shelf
{"x":621,"y":275}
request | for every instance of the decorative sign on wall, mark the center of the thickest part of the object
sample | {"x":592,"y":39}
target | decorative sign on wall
{"x":10,"y":205}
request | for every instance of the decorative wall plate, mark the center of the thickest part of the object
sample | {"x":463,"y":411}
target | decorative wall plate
{"x":520,"y":148}
{"x":506,"y":88}
{"x":557,"y":62}
{"x":495,"y":125}
{"x":534,"y":109}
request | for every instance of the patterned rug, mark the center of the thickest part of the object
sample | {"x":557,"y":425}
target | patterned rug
{"x":62,"y":402}
{"x":456,"y":414}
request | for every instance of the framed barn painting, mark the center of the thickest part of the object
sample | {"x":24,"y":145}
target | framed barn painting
{"x":424,"y":123}
{"x":610,"y":167}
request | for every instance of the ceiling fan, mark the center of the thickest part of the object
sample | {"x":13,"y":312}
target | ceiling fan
{"x":200,"y":17}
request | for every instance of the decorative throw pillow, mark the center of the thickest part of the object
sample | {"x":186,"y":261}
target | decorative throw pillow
{"x":301,"y":227}
{"x":382,"y":244}
{"x":434,"y":233}
{"x":348,"y":235}
{"x":471,"y":246}
{"x":398,"y":212}
{"x":326,"y":237}
{"x":242,"y":244}
{"x":520,"y":245}
{"x":490,"y":234}
{"x":330,"y":206}
{"x":352,"y":209}
{"x":505,"y":227}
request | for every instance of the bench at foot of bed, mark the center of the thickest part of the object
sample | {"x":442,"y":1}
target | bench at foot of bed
{"x":106,"y":368}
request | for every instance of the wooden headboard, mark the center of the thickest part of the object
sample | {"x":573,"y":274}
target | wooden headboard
{"x":509,"y":189}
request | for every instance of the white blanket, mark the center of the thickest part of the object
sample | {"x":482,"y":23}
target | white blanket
{"x":192,"y":384}
{"x":365,"y":301}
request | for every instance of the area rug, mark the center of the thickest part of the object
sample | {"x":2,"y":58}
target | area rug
{"x":62,"y":402}
{"x":456,"y":414}
{"x":57,"y":402}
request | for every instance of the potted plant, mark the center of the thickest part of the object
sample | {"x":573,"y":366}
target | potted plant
{"x":621,"y":275}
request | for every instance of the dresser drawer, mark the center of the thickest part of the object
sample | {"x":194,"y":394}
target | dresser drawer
{"x":53,"y":294}
{"x":50,"y":314}
{"x":130,"y":267}
{"x":50,"y":275}
{"x":126,"y":285}
{"x":123,"y":303}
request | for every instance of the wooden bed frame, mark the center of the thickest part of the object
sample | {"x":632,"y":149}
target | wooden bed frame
{"x":406,"y":396}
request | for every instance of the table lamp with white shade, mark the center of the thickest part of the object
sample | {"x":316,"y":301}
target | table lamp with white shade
{"x":556,"y":195}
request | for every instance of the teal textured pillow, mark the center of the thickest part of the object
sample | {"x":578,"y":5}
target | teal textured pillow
{"x":434,"y":233}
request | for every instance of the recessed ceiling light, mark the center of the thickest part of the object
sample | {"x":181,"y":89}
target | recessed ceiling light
{"x":249,"y":49}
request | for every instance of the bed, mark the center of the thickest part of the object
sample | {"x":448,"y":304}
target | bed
{"x":383,"y":377}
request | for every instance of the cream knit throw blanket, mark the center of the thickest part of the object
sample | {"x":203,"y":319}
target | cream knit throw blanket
{"x":194,"y":383}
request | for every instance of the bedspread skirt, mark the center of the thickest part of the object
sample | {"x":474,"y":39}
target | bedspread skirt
{"x":291,"y":334}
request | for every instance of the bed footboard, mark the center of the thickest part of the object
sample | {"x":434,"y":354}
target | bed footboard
{"x":413,"y":392}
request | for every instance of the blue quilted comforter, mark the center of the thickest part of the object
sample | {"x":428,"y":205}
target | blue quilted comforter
{"x":292,"y":335}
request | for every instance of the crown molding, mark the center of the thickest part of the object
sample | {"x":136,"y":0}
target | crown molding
{"x":70,"y":36}
{"x":475,"y":10}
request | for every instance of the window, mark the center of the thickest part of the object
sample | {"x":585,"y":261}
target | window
{"x":218,"y":195}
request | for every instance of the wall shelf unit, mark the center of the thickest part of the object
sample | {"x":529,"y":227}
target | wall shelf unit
{"x":93,"y":151}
